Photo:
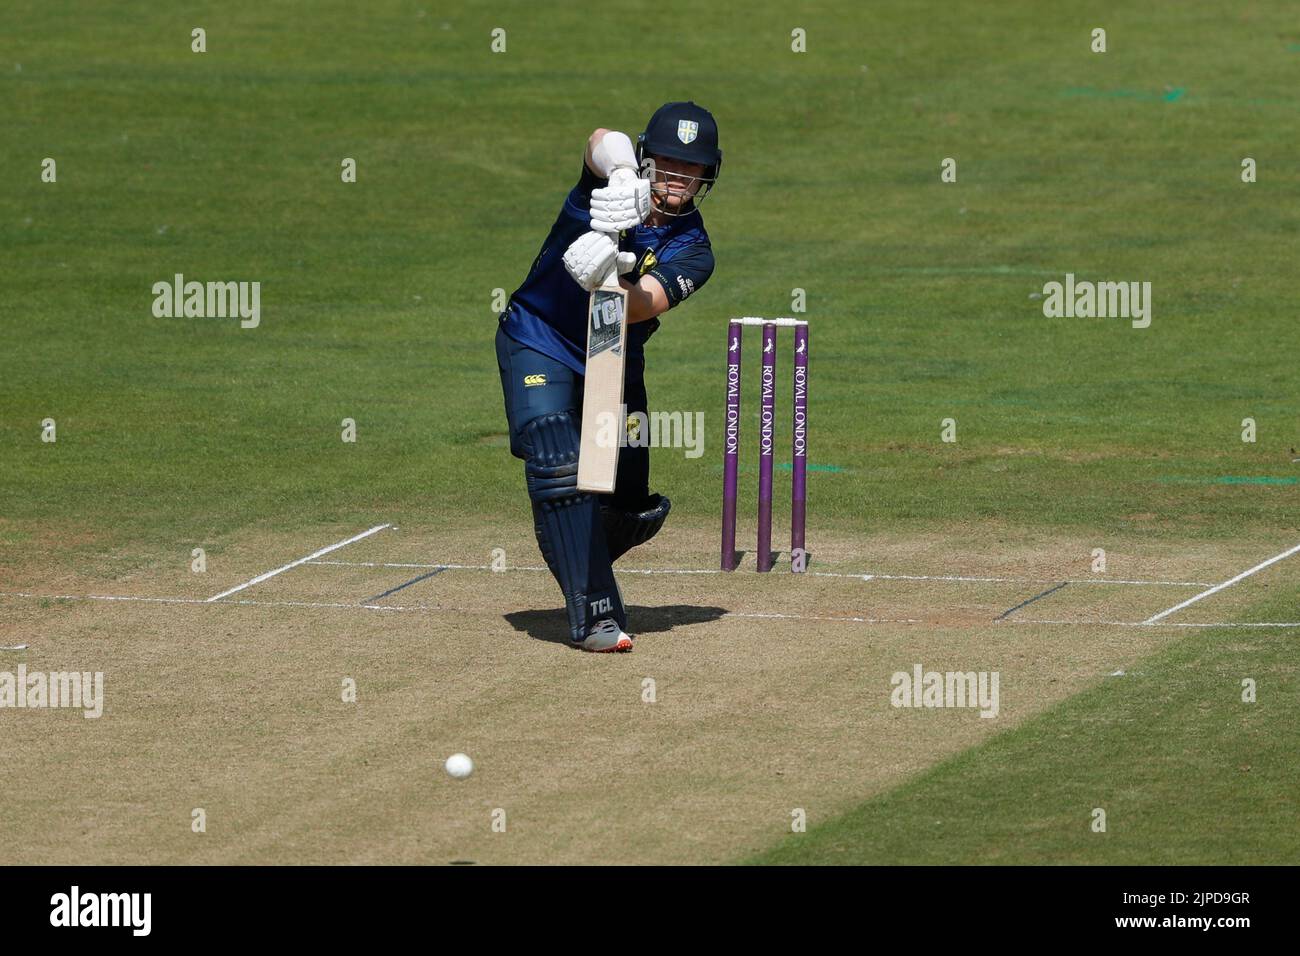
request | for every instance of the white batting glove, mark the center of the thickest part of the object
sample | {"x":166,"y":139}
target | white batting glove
{"x":591,"y":257}
{"x":625,"y":262}
{"x":623,"y":204}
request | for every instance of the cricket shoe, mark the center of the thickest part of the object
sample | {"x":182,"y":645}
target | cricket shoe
{"x":606,"y":637}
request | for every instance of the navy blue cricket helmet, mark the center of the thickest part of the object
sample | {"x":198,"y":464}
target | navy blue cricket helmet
{"x":687,"y":132}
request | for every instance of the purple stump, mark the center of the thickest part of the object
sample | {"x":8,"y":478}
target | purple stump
{"x":766,"y":421}
{"x":731,"y":447}
{"x":799,"y":451}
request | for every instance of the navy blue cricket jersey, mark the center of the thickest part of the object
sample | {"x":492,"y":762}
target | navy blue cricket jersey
{"x":548,"y":312}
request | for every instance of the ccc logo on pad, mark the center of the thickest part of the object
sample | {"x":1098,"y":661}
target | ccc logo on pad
{"x":531,"y":380}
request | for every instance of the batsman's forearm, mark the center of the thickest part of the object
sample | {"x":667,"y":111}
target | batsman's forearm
{"x":645,"y":299}
{"x":607,"y":150}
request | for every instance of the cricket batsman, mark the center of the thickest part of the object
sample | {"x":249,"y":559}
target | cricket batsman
{"x":633,"y":213}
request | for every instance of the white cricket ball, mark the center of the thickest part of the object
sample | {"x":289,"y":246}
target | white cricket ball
{"x":459,"y":766}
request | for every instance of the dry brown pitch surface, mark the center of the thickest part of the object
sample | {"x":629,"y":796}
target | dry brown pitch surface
{"x":771,"y":692}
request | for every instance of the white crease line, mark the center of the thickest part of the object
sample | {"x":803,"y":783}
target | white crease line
{"x":101,"y":597}
{"x":1150,"y":623}
{"x":963,"y":578}
{"x":237,"y":601}
{"x":293,"y":564}
{"x":252,"y":602}
{"x":488,"y":567}
{"x":398,"y":564}
{"x":816,"y":574}
{"x":1226,"y":584}
{"x":1171,"y":584}
{"x":809,"y":617}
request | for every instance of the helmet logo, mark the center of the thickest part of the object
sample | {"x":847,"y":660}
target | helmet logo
{"x":687,"y":130}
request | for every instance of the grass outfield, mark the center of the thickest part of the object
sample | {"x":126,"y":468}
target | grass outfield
{"x":1184,"y":769}
{"x":1073,"y":434}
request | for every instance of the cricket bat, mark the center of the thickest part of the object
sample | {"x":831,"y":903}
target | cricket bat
{"x":603,"y":419}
